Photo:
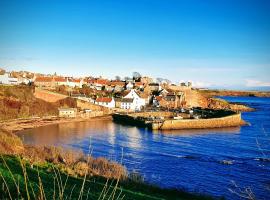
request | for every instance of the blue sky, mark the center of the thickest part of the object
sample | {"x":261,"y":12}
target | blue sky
{"x":213,"y":43}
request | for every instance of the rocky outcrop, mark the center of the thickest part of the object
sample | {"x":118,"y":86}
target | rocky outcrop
{"x":215,"y":103}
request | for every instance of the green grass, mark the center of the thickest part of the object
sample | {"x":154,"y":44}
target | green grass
{"x":20,"y":180}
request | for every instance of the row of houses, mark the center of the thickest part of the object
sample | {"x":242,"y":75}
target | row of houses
{"x":52,"y":82}
{"x":9,"y":79}
{"x":97,"y":84}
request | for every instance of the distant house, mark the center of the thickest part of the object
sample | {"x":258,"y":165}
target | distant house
{"x":109,"y":88}
{"x":118,"y":86}
{"x":129,"y":86}
{"x":139,"y":85}
{"x":106,"y":102}
{"x":99,"y":84}
{"x":44,"y":81}
{"x":170,"y":96}
{"x":60,"y":81}
{"x":154,"y":87}
{"x":24,"y":80}
{"x":72,"y":82}
{"x":8,"y":79}
{"x":67,"y":112}
{"x":183,"y":84}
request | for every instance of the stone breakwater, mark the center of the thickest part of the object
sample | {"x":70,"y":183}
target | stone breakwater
{"x":228,"y":121}
{"x":174,"y":124}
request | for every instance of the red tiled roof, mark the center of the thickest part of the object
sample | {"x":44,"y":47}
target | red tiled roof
{"x":60,"y":79}
{"x":75,"y":80}
{"x":104,"y":99}
{"x":159,"y":98}
{"x":90,"y":81}
{"x":138,"y":84}
{"x":43,"y":79}
{"x":119,"y":83}
{"x":101,"y":81}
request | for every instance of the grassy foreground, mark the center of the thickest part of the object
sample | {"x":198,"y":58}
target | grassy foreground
{"x":21,"y":180}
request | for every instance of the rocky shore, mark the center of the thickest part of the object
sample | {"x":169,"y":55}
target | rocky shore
{"x":216,"y":103}
{"x":16,"y":125}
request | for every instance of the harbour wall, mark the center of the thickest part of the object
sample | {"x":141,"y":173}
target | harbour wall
{"x":228,"y":121}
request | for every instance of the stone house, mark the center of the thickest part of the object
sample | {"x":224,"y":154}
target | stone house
{"x":44,"y":81}
{"x":67,"y":112}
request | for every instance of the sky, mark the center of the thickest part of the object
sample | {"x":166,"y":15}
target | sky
{"x":222,"y":44}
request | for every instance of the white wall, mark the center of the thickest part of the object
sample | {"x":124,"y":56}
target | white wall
{"x":138,"y":101}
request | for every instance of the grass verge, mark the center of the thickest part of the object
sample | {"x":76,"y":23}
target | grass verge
{"x":19,"y":179}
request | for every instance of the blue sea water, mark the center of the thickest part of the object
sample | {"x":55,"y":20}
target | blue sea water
{"x":218,"y":162}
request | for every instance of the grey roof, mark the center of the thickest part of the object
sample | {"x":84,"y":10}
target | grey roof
{"x":118,"y":99}
{"x":127,"y":100}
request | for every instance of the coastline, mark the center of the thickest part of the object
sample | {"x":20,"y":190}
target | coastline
{"x":16,"y":125}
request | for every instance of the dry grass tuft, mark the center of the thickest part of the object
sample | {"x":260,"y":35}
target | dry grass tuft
{"x":72,"y":162}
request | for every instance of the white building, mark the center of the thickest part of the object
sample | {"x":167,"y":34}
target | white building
{"x":129,"y":86}
{"x":106,"y":102}
{"x":61,"y":81}
{"x":127,"y":104}
{"x":8,"y":80}
{"x":137,"y":102}
{"x":75,"y":83}
{"x":24,"y":80}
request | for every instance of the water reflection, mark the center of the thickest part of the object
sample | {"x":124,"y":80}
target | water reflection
{"x":193,"y":132}
{"x":68,"y":132}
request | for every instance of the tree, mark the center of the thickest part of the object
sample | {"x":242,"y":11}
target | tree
{"x":126,"y":78}
{"x":159,"y":80}
{"x":136,"y":75}
{"x":167,"y":81}
{"x":118,"y":78}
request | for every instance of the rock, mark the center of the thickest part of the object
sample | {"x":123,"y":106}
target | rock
{"x":227,"y":162}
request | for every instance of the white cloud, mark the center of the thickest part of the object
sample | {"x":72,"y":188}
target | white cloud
{"x":201,"y":84}
{"x":257,"y":83}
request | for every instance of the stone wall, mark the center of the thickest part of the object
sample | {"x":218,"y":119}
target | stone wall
{"x":152,"y":114}
{"x":91,"y":114}
{"x":87,"y":105}
{"x":232,"y":120}
{"x":48,"y":96}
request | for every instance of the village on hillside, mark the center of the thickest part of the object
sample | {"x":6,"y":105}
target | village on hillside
{"x":131,"y":94}
{"x":139,"y":100}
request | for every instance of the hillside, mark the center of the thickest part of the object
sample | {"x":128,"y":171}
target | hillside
{"x":20,"y":102}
